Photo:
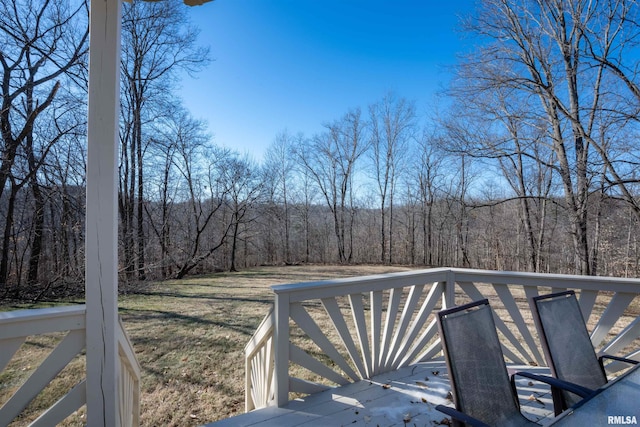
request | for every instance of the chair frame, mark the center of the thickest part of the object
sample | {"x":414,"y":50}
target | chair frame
{"x":461,"y":417}
{"x":559,"y":401}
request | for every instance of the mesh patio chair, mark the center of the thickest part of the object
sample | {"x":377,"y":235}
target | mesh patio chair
{"x":482,"y":391}
{"x":567,"y":346}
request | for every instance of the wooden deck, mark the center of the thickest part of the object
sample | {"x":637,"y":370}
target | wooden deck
{"x":404,"y":397}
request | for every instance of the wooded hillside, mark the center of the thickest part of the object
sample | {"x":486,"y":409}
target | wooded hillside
{"x":529,"y":164}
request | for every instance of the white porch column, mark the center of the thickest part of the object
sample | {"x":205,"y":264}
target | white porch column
{"x":101,"y":256}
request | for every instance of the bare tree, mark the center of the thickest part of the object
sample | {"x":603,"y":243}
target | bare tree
{"x":278,"y":167}
{"x":157,"y":42}
{"x":610,"y":43}
{"x":536,"y":51}
{"x":307,"y":196}
{"x":500,"y":128}
{"x":429,"y":162}
{"x":41,"y":42}
{"x":242,"y":178}
{"x":66,"y":180}
{"x":173,"y":172}
{"x":201,"y":169}
{"x":392,"y":129}
{"x":331,"y":159}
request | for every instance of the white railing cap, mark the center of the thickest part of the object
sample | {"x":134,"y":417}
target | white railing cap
{"x":40,"y":313}
{"x":324,"y":288}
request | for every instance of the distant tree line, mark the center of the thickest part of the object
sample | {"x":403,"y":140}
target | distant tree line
{"x":531,"y":165}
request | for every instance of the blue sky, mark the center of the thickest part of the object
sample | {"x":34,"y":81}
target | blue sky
{"x":296,"y":64}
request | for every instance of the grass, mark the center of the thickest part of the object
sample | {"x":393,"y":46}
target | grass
{"x":189,"y":337}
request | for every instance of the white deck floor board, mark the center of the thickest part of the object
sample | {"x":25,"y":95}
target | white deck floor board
{"x":404,"y":397}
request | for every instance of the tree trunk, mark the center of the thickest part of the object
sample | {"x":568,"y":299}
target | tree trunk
{"x":140,"y":213}
{"x":234,"y":245}
{"x":6,"y":239}
{"x":38,"y":227}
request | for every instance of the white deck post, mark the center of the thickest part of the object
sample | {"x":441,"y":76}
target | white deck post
{"x":281,"y":348}
{"x":449,"y":295}
{"x":101,"y":256}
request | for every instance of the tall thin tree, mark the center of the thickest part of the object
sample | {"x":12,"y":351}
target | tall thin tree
{"x":157,"y":42}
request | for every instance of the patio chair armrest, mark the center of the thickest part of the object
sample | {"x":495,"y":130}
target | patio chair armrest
{"x":461,"y":416}
{"x":555,"y":382}
{"x":617,"y":358}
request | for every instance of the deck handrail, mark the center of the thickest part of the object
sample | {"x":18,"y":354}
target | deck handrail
{"x":259,"y":365}
{"x":391,"y":324}
{"x":16,"y":326}
{"x":129,"y":387}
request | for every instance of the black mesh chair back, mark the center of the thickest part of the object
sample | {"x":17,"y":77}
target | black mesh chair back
{"x":566,"y":343}
{"x":479,"y":379}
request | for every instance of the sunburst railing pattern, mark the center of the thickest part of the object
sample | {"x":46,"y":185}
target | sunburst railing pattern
{"x":259,"y":366}
{"x":325,"y":334}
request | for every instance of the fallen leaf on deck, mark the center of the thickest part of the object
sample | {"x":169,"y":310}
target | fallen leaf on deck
{"x":421,"y":384}
{"x":424,"y":400}
{"x":533,"y":398}
{"x":386,"y":386}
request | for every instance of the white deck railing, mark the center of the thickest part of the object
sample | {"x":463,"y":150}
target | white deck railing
{"x":329,"y":333}
{"x":68,"y":323}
